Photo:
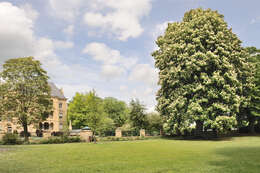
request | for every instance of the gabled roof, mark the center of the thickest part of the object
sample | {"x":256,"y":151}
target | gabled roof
{"x":55,"y":91}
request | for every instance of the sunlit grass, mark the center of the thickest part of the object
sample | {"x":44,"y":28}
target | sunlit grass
{"x":241,"y":154}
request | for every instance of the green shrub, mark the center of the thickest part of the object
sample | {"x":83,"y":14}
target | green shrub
{"x":129,"y":138}
{"x":11,"y":139}
{"x":222,"y":124}
{"x":60,"y":140}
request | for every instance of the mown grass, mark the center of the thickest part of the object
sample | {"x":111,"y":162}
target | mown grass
{"x":237,"y":155}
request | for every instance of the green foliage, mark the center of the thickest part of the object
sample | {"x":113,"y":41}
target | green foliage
{"x":60,"y":140}
{"x":129,"y":138}
{"x":155,"y":123}
{"x":255,"y":102}
{"x":11,"y":139}
{"x":203,"y":71}
{"x":251,"y":112}
{"x":234,"y":155}
{"x":222,"y":124}
{"x":107,"y":125}
{"x":25,"y":93}
{"x":132,"y":132}
{"x":137,"y":115}
{"x":86,"y":110}
{"x":116,"y":110}
{"x":76,"y":111}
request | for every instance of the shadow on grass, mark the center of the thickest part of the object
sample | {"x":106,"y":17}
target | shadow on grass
{"x":198,"y":139}
{"x":220,"y":138}
{"x":237,"y":159}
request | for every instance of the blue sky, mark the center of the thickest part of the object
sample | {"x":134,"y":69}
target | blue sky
{"x":106,"y":45}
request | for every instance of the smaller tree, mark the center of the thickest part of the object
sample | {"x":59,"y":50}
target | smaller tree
{"x":116,"y":110}
{"x":155,"y":122}
{"x":94,"y":112}
{"x":107,"y":127}
{"x":77,"y":111}
{"x":253,"y":111}
{"x":137,"y":115}
{"x":87,"y":110}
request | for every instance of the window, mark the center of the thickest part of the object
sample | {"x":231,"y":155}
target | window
{"x":60,"y":105}
{"x":9,"y":119}
{"x":40,"y":126}
{"x":61,"y":126}
{"x":51,"y":115}
{"x":46,"y":126}
{"x":51,"y":126}
{"x":9,"y":129}
{"x":60,"y":115}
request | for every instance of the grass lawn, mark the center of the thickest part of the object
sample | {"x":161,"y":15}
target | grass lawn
{"x":237,"y":155}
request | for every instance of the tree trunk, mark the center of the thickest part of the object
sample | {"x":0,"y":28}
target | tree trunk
{"x":161,"y":132}
{"x":94,"y":137}
{"x":25,"y":130}
{"x":199,"y":128}
{"x":251,"y":125}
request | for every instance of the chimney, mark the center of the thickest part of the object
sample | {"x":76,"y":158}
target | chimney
{"x":61,"y":90}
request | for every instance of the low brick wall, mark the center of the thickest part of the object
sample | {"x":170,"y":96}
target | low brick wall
{"x":85,"y":135}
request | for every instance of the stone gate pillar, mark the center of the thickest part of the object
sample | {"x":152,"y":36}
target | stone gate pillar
{"x":118,"y":132}
{"x":142,"y":133}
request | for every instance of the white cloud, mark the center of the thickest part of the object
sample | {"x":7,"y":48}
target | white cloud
{"x":160,"y":29}
{"x":144,"y":73}
{"x":128,"y":62}
{"x":70,"y":89}
{"x":69,"y":30}
{"x":145,"y":95}
{"x":18,"y":39}
{"x":122,"y":18}
{"x":16,"y":32}
{"x":112,"y":71}
{"x":101,"y":52}
{"x":30,"y":12}
{"x":63,"y":44}
{"x":123,"y":88}
{"x":66,"y":9}
{"x":113,"y":63}
{"x":255,"y":20}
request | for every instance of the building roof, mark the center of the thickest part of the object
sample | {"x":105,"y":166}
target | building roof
{"x":86,"y":128}
{"x":56,"y":92}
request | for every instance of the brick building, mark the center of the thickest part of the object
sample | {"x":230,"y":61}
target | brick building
{"x":56,"y":121}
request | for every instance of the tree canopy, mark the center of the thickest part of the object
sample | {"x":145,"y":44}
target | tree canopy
{"x":25,"y":93}
{"x":86,"y":109}
{"x":137,"y":115}
{"x":203,"y":71}
{"x":254,"y":108}
{"x":116,"y":110}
